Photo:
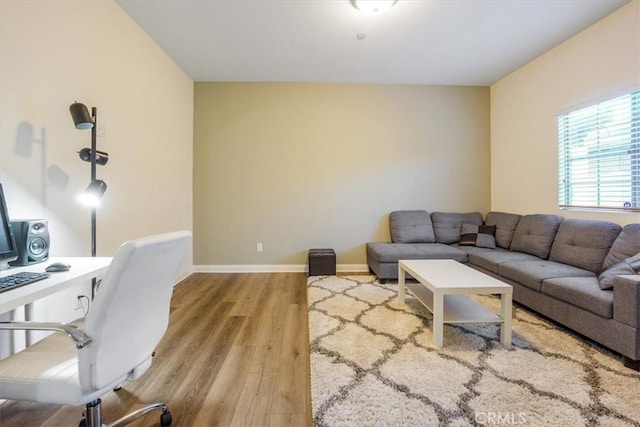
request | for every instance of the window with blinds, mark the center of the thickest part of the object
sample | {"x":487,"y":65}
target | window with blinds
{"x":599,"y":158}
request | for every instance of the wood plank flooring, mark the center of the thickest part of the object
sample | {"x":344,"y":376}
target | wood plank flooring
{"x":235,"y":354}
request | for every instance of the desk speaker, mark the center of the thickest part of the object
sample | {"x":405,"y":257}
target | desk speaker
{"x":32,"y":241}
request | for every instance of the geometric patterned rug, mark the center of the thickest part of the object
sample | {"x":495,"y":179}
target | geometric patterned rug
{"x":373,"y":364}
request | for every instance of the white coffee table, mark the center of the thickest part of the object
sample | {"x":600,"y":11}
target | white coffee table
{"x":443,"y":288}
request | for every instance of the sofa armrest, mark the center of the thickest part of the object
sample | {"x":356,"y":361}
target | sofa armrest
{"x":626,"y":300}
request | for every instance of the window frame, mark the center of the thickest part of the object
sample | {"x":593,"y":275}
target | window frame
{"x":565,"y":158}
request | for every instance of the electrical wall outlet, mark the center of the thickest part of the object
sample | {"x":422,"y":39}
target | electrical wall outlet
{"x":259,"y":247}
{"x":79,"y":302}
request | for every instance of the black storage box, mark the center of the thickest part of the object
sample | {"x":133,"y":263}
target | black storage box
{"x":322,"y":262}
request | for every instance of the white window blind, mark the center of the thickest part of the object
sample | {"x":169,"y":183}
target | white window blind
{"x":599,"y":158}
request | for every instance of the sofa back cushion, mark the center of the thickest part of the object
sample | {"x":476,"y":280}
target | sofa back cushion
{"x":535,"y":233}
{"x":447,"y":225}
{"x":506,"y":224}
{"x":626,"y":245}
{"x":583,"y":243}
{"x":411,"y":227}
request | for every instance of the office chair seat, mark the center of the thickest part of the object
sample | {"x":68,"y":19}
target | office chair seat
{"x":46,"y":372}
{"x":114,"y":343}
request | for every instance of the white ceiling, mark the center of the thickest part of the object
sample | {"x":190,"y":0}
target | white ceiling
{"x":453,"y":42}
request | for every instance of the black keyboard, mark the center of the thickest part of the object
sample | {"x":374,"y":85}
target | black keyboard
{"x":16,"y":280}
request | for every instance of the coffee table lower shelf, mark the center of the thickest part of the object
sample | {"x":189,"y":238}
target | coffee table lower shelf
{"x":457,"y":308}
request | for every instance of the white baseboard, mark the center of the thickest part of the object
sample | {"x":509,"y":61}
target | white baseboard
{"x":273,"y":268}
{"x":247,"y":268}
{"x":352,"y":268}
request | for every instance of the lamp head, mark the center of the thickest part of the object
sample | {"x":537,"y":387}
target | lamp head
{"x":93,"y":194}
{"x":102,"y":157}
{"x":81,"y":117}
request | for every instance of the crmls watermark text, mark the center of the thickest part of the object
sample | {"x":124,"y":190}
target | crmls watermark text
{"x":501,"y":418}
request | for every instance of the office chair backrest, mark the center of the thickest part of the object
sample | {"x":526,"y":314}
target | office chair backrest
{"x":130,"y":312}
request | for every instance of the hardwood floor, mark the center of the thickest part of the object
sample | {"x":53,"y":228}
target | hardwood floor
{"x":235,"y":354}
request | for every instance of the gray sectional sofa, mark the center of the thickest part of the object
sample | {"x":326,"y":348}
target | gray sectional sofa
{"x":580,"y":273}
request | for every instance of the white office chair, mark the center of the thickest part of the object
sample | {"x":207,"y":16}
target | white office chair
{"x":127,"y":319}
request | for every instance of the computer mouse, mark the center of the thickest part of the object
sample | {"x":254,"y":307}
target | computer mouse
{"x":56,"y":267}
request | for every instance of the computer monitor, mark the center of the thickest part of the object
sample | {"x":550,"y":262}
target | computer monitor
{"x":8,"y":250}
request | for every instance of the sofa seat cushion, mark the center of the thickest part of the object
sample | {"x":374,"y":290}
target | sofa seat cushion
{"x":533,"y":273}
{"x":411,"y":227}
{"x":447,"y":225}
{"x":392,"y":252}
{"x":584,"y":243}
{"x":506,"y":224}
{"x":583,"y":292}
{"x":490,"y":259}
{"x":472,"y":249}
{"x":535,"y":233}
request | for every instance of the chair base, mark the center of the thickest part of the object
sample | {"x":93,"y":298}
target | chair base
{"x":93,"y":415}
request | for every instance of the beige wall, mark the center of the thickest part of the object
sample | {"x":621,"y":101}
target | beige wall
{"x":298,"y":166}
{"x":55,"y":52}
{"x":600,"y":61}
{"x":59,"y":51}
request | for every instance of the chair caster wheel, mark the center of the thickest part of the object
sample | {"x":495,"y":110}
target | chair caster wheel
{"x":83,"y":423}
{"x":165,"y":419}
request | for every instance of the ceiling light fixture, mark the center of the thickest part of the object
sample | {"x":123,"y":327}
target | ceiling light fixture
{"x":373,"y":6}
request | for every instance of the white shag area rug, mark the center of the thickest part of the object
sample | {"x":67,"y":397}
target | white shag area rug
{"x":373,"y":364}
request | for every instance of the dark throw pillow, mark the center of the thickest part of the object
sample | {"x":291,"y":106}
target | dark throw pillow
{"x":481,"y":236}
{"x":627,"y":266}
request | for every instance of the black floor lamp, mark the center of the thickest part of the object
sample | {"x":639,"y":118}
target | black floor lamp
{"x":97,"y":187}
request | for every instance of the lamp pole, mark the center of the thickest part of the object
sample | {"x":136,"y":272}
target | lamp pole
{"x":82,"y":120}
{"x":94,"y":131}
{"x":94,"y":135}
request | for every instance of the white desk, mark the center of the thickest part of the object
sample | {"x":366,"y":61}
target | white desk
{"x":84,"y":268}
